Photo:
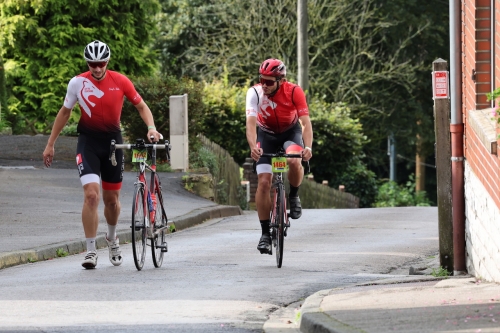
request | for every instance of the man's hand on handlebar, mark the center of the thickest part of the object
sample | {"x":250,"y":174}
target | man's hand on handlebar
{"x":306,"y":154}
{"x":256,"y":153}
{"x":154,"y":135}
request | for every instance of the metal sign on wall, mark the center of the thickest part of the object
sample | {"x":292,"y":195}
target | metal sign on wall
{"x":440,"y":84}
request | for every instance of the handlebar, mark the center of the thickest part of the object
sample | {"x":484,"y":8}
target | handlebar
{"x":140,"y":144}
{"x":281,"y":155}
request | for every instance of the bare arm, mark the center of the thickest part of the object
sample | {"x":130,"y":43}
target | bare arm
{"x":147,"y":116}
{"x":59,"y":123}
{"x":251,"y":130}
{"x":307,"y":136}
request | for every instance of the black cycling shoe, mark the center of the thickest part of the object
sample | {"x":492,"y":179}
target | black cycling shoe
{"x":295,"y":207}
{"x":265,"y":244}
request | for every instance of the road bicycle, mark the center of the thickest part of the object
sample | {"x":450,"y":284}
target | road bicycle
{"x":149,"y":220}
{"x":279,"y":217}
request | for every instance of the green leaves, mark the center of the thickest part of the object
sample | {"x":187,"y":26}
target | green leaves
{"x":44,"y":42}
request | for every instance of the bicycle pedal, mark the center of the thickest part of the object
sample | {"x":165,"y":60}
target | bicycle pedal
{"x":164,"y":248}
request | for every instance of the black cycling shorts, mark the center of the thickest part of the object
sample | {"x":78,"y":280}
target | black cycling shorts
{"x":93,"y":163}
{"x":291,"y":140}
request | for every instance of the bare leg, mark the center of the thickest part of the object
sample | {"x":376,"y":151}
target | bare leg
{"x":295,"y":172}
{"x":112,"y":206}
{"x":90,"y":218}
{"x":263,"y":196}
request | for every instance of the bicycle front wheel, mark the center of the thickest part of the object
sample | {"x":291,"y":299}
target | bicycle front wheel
{"x":158,"y":243}
{"x":139,"y":210}
{"x":280,"y":224}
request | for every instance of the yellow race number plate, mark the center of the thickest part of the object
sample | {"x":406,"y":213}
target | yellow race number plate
{"x":279,"y":164}
{"x":139,"y":155}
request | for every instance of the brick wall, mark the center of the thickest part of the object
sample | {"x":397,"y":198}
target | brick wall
{"x":482,"y":168}
{"x":477,"y":67}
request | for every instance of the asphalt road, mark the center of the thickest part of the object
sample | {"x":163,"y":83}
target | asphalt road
{"x":213,"y":278}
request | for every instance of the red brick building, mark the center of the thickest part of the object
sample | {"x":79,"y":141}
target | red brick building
{"x":480,"y":63}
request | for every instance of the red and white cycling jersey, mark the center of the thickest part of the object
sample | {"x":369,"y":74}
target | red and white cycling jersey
{"x":101,"y":102}
{"x":280,"y":112}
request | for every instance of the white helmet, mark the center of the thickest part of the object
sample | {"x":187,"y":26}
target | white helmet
{"x":97,"y":51}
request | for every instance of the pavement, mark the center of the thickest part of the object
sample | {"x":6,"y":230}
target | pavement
{"x":40,"y":215}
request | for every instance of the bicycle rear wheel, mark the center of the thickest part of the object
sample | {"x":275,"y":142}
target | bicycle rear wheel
{"x":139,"y":226}
{"x":280,"y":224}
{"x":158,"y":243}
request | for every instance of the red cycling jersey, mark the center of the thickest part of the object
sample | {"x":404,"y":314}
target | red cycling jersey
{"x":100,"y":102}
{"x":280,"y":112}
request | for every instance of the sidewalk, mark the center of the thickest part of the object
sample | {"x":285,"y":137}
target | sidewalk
{"x":40,"y":210}
{"x":407,"y":304}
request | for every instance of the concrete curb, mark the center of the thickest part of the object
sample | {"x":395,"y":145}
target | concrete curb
{"x":314,"y":320}
{"x":50,"y":251}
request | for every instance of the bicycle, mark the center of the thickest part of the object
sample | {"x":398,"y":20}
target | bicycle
{"x":149,"y":220}
{"x":279,"y":217}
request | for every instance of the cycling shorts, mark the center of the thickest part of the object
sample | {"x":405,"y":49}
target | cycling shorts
{"x":290,"y":140}
{"x":93,"y":163}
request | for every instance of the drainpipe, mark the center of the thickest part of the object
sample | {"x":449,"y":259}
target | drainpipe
{"x":457,"y":133}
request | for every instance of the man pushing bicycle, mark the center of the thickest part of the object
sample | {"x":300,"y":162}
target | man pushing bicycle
{"x":274,"y":108}
{"x":99,"y":93}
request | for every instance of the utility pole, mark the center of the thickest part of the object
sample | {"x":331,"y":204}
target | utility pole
{"x":443,"y":165}
{"x":302,"y":47}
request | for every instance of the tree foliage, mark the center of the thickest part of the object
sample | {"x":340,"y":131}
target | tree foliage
{"x":156,"y":92}
{"x":225,"y":117}
{"x":373,"y":55}
{"x":42,"y":44}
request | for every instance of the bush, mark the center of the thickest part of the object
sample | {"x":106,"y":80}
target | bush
{"x":225,"y":119}
{"x":359,"y":181}
{"x":338,"y":140}
{"x":391,"y":194}
{"x":156,"y":92}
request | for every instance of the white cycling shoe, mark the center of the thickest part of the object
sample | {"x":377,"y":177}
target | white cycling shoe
{"x":114,"y":251}
{"x":90,"y":260}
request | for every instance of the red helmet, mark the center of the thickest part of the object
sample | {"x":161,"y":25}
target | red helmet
{"x":272,"y":67}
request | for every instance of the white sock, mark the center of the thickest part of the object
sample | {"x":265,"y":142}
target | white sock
{"x":90,"y":244}
{"x":111,"y":232}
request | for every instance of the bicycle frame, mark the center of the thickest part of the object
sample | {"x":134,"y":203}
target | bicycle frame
{"x":141,"y":177}
{"x":279,"y":217}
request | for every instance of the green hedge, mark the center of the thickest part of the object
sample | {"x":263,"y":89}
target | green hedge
{"x":156,"y":92}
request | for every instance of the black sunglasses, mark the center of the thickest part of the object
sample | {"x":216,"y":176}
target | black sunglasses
{"x":99,"y":64}
{"x":268,"y":82}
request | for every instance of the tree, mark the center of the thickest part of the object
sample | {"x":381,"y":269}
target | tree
{"x":42,"y":44}
{"x":373,"y":55}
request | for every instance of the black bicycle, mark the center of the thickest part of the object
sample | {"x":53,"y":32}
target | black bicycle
{"x":279,"y":217}
{"x":149,"y":220}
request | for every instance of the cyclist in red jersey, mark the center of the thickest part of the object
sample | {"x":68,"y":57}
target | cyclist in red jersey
{"x":99,"y":93}
{"x":277,"y":116}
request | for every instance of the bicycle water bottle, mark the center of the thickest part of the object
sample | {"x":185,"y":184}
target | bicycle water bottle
{"x":152,"y":212}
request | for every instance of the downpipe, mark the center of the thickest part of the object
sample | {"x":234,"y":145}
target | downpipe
{"x":457,"y":135}
{"x":458,"y":198}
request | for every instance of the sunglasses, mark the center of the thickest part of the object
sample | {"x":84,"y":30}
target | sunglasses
{"x":268,"y":82}
{"x":99,"y":64}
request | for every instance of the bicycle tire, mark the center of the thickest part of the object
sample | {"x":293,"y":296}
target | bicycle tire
{"x":280,"y":224}
{"x":273,"y":218}
{"x":139,"y":227}
{"x":158,"y":243}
